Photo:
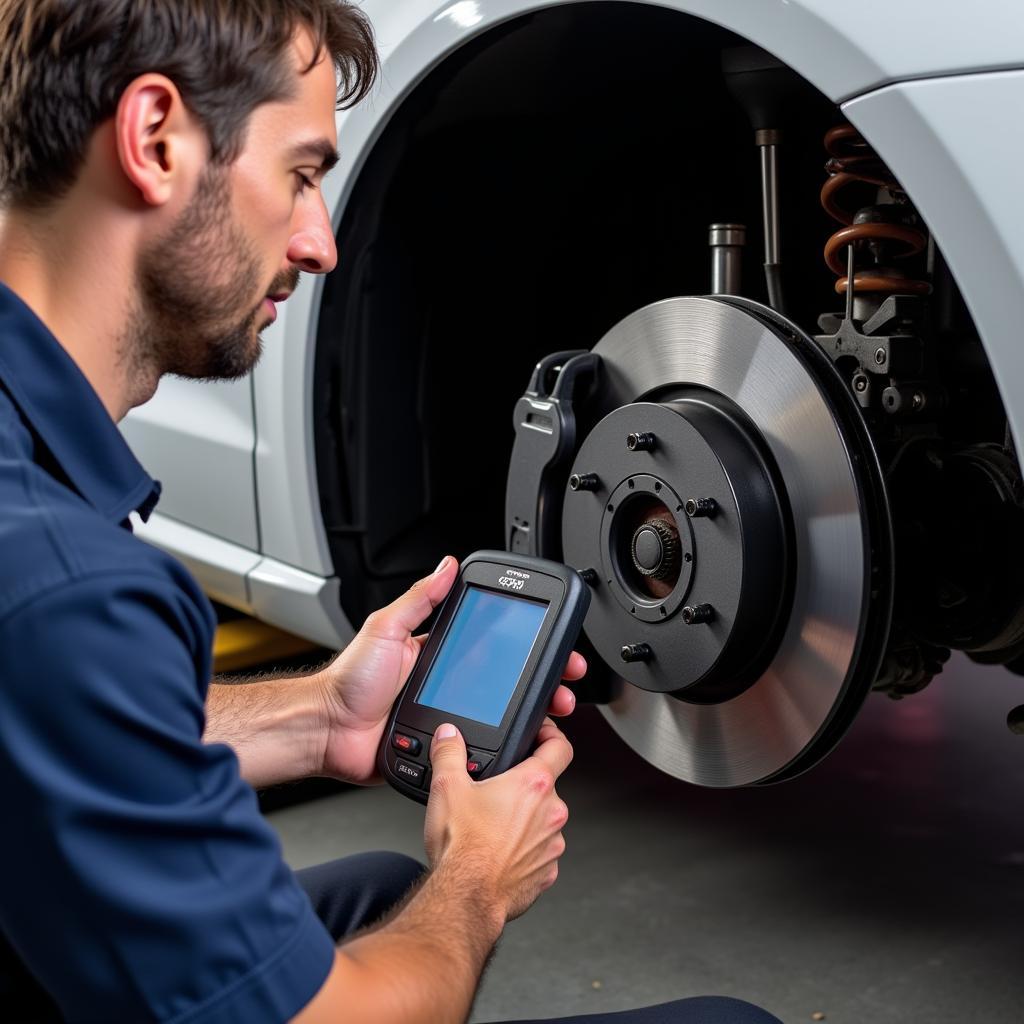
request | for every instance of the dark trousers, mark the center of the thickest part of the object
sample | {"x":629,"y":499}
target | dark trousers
{"x":352,"y":892}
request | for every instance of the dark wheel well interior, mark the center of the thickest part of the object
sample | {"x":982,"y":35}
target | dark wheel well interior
{"x":546,"y":180}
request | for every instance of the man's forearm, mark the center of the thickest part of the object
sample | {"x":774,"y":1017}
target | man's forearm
{"x":422,"y":966}
{"x":277,"y":727}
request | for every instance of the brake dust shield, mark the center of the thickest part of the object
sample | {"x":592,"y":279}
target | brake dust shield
{"x":745,"y":631}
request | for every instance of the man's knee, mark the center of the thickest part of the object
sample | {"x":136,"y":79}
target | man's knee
{"x":352,"y":892}
{"x":396,"y":872}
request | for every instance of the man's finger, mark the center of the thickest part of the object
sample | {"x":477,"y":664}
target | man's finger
{"x":448,"y":752}
{"x":563,"y":702}
{"x":576,"y":667}
{"x":554,"y":751}
{"x":547,"y":723}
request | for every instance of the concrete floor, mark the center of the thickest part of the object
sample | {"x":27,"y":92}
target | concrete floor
{"x":886,"y":886}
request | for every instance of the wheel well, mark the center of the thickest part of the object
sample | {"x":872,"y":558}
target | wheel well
{"x":547,"y":179}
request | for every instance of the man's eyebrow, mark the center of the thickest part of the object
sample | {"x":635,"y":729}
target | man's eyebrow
{"x":320,"y":149}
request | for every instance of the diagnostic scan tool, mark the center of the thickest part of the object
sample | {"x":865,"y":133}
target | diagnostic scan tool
{"x":491,"y":663}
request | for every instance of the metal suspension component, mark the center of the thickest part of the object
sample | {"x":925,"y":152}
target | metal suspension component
{"x":883,"y":230}
{"x":727,"y":242}
{"x":766,"y":89}
{"x":768,"y":141}
{"x":879,"y":341}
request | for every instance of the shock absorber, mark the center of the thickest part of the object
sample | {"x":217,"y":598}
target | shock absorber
{"x":879,"y":342}
{"x":871,"y":235}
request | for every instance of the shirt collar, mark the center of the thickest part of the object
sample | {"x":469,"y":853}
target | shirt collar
{"x":67,"y":415}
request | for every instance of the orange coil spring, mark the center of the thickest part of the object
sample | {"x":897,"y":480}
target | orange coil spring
{"x":852,"y":160}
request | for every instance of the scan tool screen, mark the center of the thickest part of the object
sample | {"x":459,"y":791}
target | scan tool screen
{"x":483,"y":655}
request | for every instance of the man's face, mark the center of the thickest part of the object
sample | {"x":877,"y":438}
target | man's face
{"x":209,"y":285}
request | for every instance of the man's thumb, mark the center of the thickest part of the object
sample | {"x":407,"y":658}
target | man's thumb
{"x":408,"y":611}
{"x":448,"y":750}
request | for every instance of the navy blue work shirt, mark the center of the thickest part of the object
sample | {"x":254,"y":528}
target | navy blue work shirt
{"x":138,"y":881}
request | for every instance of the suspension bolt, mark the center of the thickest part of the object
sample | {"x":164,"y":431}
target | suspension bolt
{"x":699,"y":508}
{"x":589,"y":576}
{"x":697,"y":613}
{"x":636,"y":652}
{"x":880,"y":356}
{"x":643,"y":442}
{"x":584,"y":482}
{"x":860,"y":384}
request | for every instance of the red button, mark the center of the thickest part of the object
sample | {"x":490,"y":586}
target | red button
{"x":409,"y":744}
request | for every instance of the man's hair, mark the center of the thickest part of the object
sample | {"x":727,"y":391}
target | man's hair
{"x":64,"y":65}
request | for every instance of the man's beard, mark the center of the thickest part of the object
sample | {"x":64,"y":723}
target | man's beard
{"x":191,"y":319}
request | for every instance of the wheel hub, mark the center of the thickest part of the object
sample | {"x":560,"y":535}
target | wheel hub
{"x":693,"y":520}
{"x":655,"y":549}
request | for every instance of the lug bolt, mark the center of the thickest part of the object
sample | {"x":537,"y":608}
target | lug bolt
{"x":584,"y":482}
{"x":636,"y":652}
{"x":697,"y":508}
{"x":640,"y":442}
{"x":697,"y":613}
{"x":589,"y":576}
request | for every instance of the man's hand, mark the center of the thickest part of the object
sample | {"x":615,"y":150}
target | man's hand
{"x":493,"y":848}
{"x":359,"y":687}
{"x":503,"y":835}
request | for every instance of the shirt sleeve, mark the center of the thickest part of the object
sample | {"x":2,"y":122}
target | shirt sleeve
{"x":140,"y":881}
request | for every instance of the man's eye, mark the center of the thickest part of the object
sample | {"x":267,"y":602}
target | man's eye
{"x":305,"y":182}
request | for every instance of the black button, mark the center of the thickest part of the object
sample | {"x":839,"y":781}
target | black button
{"x":411,"y":773}
{"x":477,"y":762}
{"x":409,"y":744}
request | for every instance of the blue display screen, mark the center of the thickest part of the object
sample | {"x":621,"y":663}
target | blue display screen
{"x":483,"y":655}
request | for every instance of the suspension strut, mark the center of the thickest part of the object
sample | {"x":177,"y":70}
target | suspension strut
{"x":885,"y":230}
{"x":879,"y":342}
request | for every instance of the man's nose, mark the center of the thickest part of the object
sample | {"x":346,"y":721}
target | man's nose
{"x":312,"y":247}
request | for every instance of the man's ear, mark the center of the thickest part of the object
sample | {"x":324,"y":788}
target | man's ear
{"x":157,"y":139}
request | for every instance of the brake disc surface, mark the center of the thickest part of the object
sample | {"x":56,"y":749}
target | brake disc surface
{"x":831,"y":624}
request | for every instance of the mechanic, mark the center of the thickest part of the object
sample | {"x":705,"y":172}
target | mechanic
{"x":159,"y":192}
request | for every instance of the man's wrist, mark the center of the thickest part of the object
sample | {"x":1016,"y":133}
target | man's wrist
{"x":462,"y":880}
{"x":319,"y":695}
{"x":277,"y":727}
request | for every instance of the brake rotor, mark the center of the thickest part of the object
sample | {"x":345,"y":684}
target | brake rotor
{"x":731,"y":505}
